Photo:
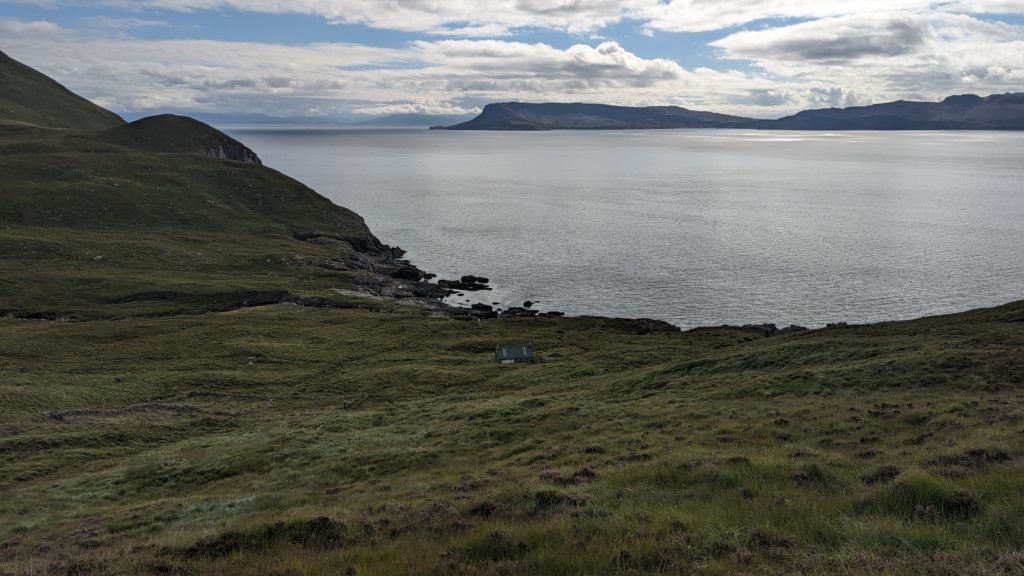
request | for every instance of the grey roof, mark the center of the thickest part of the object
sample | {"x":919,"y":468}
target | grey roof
{"x":515,"y":352}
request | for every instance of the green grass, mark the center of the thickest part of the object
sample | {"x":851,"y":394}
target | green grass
{"x":319,"y":441}
{"x":112,"y":231}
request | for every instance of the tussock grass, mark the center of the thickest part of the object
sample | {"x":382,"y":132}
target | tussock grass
{"x":326,"y":441}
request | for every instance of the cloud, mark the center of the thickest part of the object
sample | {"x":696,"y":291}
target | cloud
{"x":18,"y":27}
{"x":582,"y":18}
{"x":845,"y":53}
{"x":429,"y":107}
{"x":467,"y":18}
{"x":832,"y":39}
{"x":444,"y":76}
{"x":706,"y":15}
{"x":986,"y":6}
{"x":122,"y":23}
{"x":887,"y":55}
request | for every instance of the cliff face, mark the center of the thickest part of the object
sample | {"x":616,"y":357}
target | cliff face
{"x":556,"y":116}
{"x":965,"y":112}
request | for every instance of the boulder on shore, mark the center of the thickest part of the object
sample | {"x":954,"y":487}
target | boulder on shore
{"x":460,"y":285}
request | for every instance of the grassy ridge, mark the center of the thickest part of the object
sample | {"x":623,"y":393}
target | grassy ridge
{"x":284,"y":439}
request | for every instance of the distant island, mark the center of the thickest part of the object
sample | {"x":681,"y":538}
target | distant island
{"x":552,"y":116}
{"x":964,"y":112}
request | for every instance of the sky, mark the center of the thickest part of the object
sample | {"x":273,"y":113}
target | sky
{"x":340,"y":60}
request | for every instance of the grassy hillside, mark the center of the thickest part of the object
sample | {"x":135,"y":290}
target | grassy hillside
{"x":292,"y":440}
{"x":26,"y":96}
{"x":184,"y":391}
{"x":170,"y":133}
{"x":116,"y":228}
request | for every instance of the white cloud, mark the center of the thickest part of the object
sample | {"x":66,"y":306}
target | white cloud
{"x":18,"y":27}
{"x":122,"y":23}
{"x":449,"y":17}
{"x":987,"y":6}
{"x":445,"y":76}
{"x":890,"y":54}
{"x":472,"y":18}
{"x":706,"y":15}
{"x":848,"y":52}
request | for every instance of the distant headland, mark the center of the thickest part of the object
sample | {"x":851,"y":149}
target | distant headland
{"x":964,"y":112}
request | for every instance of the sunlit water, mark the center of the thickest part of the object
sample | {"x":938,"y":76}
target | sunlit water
{"x":696,"y":227}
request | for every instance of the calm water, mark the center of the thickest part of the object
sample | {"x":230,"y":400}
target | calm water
{"x":694,"y":227}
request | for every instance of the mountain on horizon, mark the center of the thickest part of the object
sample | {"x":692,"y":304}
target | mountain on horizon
{"x":580,"y":116}
{"x":390,"y":120}
{"x":963,"y":112}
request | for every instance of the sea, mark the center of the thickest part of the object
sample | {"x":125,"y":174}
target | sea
{"x":694,"y":227}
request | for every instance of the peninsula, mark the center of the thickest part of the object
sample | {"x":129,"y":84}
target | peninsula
{"x":965,"y":112}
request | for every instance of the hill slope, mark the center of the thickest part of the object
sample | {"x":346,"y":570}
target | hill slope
{"x":165,"y":215}
{"x":170,"y":133}
{"x":283,"y":439}
{"x":523,"y":116}
{"x":33,"y":98}
{"x":966,"y":112}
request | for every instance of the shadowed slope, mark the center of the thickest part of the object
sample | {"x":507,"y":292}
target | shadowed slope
{"x":170,"y":133}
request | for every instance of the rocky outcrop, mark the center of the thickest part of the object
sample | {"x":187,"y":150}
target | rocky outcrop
{"x":381,"y":269}
{"x":473,"y":286}
{"x":234,"y":151}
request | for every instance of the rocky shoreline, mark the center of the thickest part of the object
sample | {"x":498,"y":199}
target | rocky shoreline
{"x":389,"y":275}
{"x":386,"y":274}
